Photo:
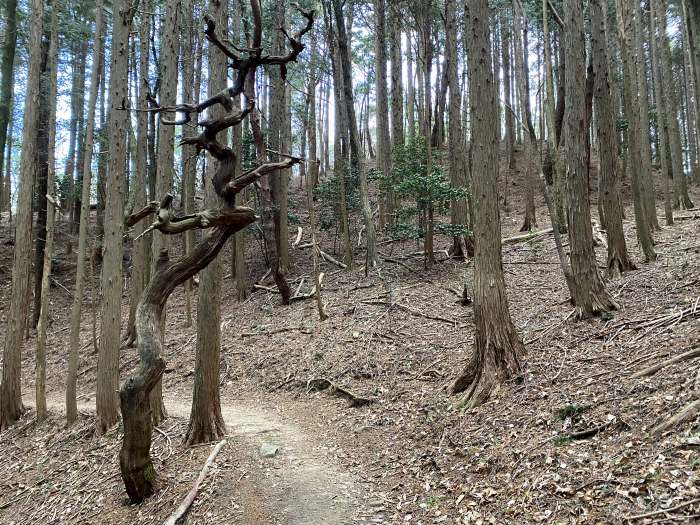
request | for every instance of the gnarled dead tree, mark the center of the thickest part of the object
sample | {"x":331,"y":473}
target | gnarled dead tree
{"x":137,"y":468}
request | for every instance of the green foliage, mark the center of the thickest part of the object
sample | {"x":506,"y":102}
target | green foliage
{"x":571,"y":411}
{"x":409,"y":178}
{"x":328,"y":194}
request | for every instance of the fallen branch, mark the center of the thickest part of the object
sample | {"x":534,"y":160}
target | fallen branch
{"x":662,"y":511}
{"x":688,"y":412}
{"x":192,"y":494}
{"x":590,"y":432}
{"x":322,"y":384}
{"x":413,"y":311}
{"x":527,"y":236}
{"x":655,"y":368}
{"x":331,"y":259}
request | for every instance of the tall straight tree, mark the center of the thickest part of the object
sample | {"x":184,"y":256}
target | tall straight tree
{"x":40,"y":365}
{"x":340,"y":146}
{"x":497,"y":349}
{"x":11,"y":406}
{"x":79,"y":290}
{"x":618,"y":258}
{"x":141,"y":253}
{"x":7,"y":61}
{"x":397,"y":112}
{"x":165,"y":167}
{"x":590,"y":294}
{"x":355,"y":161}
{"x":625,"y":25}
{"x":383,"y":136}
{"x":661,"y":125}
{"x":239,"y":267}
{"x":458,"y":159}
{"x":274,"y":188}
{"x":642,"y":103}
{"x":670,"y":112}
{"x":505,"y":64}
{"x":206,"y":422}
{"x":529,"y":139}
{"x":107,"y":398}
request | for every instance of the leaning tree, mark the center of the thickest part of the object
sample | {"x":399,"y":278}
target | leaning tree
{"x":137,"y":468}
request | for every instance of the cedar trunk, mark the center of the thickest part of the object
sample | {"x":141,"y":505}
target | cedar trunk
{"x":497,"y":350}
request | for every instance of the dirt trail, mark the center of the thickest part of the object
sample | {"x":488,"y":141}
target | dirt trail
{"x":303,"y":484}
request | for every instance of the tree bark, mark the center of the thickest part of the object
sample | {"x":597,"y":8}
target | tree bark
{"x":590,"y":295}
{"x":340,"y":147}
{"x":382,"y":110}
{"x":670,"y":112}
{"x":626,"y":34}
{"x":646,"y":180}
{"x":355,"y":161}
{"x":521,"y":73}
{"x":79,"y":290}
{"x":7,"y":61}
{"x":11,"y":407}
{"x":140,"y":251}
{"x":165,"y":168}
{"x":108,"y":353}
{"x":498,"y":350}
{"x":40,"y":366}
{"x":461,"y":244}
{"x":662,"y":128}
{"x":206,"y":423}
{"x":397,"y":112}
{"x":618,"y":258}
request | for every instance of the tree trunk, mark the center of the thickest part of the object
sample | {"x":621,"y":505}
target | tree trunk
{"x":497,"y":349}
{"x":382,"y":111}
{"x":239,"y":268}
{"x":397,"y":113}
{"x":626,"y":34}
{"x":424,"y":20}
{"x":662,"y":128}
{"x":41,"y":189}
{"x":521,"y":73}
{"x":458,"y":160}
{"x":505,"y":62}
{"x":136,"y":465}
{"x":618,"y":258}
{"x":11,"y":407}
{"x":165,"y":169}
{"x":646,"y":180}
{"x":670,"y":112}
{"x":346,"y":68}
{"x":140,"y":252}
{"x":410,"y":89}
{"x":206,"y":422}
{"x":589,"y":293}
{"x":42,"y":321}
{"x":274,"y":212}
{"x":7,"y":61}
{"x":108,"y":354}
{"x":340,"y":148}
{"x":79,"y":290}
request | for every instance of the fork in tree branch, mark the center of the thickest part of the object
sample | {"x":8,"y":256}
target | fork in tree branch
{"x":135,"y":462}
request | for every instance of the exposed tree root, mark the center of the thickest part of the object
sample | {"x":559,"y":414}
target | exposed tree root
{"x":686,"y":413}
{"x":655,"y":368}
{"x":322,"y":384}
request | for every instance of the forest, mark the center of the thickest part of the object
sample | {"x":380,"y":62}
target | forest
{"x":349,"y":262}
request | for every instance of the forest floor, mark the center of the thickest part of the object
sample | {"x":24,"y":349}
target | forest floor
{"x":569,"y":443}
